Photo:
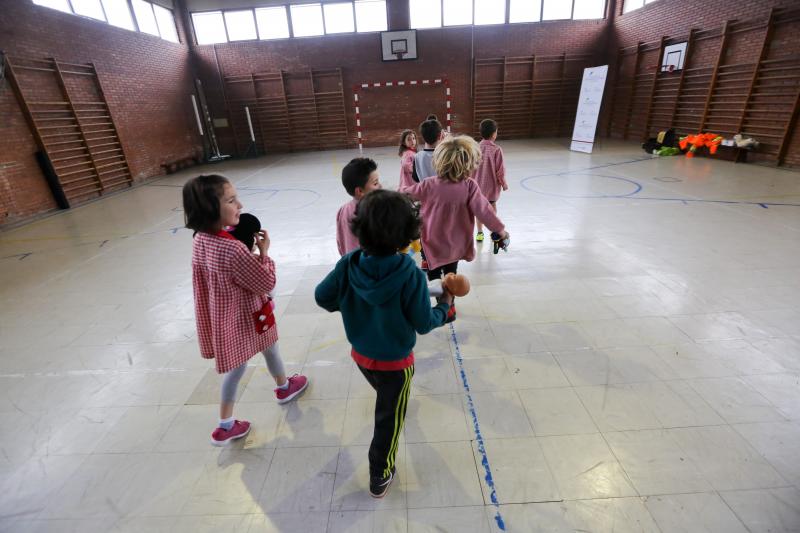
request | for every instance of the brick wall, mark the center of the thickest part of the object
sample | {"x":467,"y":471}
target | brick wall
{"x":445,"y":52}
{"x":674,"y":19}
{"x":147,"y":81}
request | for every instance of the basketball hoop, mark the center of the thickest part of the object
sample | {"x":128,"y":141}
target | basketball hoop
{"x":399,"y":56}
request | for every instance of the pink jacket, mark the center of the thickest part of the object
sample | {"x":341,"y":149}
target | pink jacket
{"x":230,"y":284}
{"x":406,"y":169}
{"x":448,"y":215}
{"x":491,"y":173}
{"x":345,"y":240}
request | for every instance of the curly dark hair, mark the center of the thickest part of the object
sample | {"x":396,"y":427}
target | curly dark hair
{"x":201,"y":198}
{"x":385,"y":222}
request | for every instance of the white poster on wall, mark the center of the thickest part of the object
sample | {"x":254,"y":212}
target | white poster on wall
{"x":594,"y":82}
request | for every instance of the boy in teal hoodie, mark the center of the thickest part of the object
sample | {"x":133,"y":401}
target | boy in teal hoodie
{"x":384,"y":301}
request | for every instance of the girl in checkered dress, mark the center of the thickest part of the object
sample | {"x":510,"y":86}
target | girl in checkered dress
{"x":232,"y":306}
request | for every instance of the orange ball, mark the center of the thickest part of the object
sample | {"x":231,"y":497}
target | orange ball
{"x":456,"y":284}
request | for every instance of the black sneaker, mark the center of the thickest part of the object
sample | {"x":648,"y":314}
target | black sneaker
{"x":378,"y":487}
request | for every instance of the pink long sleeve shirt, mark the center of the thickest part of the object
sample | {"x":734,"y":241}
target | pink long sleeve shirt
{"x":406,"y":169}
{"x":448,"y":214}
{"x":491,"y":173}
{"x":345,"y":240}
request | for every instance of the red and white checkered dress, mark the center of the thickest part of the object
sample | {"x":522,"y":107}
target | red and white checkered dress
{"x":230,"y":285}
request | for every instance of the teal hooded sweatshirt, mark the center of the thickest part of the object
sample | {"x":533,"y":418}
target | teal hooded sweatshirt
{"x":384,"y":302}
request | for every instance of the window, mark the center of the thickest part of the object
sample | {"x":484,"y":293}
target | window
{"x":118,"y":14}
{"x":631,"y":5}
{"x":589,"y":9}
{"x":339,"y":18}
{"x":61,"y":5}
{"x":145,"y":17}
{"x":153,"y":19}
{"x":525,"y":11}
{"x":166,"y":23}
{"x":425,"y":14}
{"x":272,"y":22}
{"x":307,"y":20}
{"x":209,"y":27}
{"x":556,"y":10}
{"x":371,"y":15}
{"x":457,"y":12}
{"x":490,"y":12}
{"x":241,"y":25}
{"x":89,"y":8}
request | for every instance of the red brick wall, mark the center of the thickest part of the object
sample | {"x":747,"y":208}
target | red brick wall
{"x":677,"y":17}
{"x":674,"y":18}
{"x":147,"y":81}
{"x":445,"y":52}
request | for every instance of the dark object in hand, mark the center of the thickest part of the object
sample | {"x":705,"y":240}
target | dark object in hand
{"x":499,"y":242}
{"x":246,"y":230}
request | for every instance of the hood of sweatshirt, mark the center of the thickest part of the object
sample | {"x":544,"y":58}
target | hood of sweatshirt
{"x":378,"y":279}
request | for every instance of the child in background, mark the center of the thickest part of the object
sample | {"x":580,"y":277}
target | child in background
{"x":230,"y":292}
{"x":407,"y":151}
{"x":450,"y":203}
{"x":491,"y":173}
{"x":432,"y":133}
{"x":359,"y":177}
{"x":384,"y":301}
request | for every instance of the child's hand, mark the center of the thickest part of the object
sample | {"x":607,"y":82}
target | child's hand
{"x":446,"y":297}
{"x":505,"y":187}
{"x":262,"y":241}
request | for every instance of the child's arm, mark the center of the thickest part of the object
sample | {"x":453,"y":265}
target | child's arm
{"x":500,"y":168}
{"x":327,"y":292}
{"x":340,"y":244}
{"x":414,"y":190}
{"x":202,"y":316}
{"x":417,"y":306}
{"x":253,"y":273}
{"x":479,"y":206}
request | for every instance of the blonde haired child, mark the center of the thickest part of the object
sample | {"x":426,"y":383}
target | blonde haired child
{"x":450,"y":203}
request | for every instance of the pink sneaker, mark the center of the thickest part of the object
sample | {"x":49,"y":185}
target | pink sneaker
{"x":297,"y":384}
{"x":221,"y":437}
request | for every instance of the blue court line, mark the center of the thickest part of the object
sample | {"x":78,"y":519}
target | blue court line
{"x":478,"y":437}
{"x":638,"y":188}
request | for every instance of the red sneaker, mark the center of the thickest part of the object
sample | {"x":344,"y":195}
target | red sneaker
{"x":221,"y":436}
{"x":297,"y":384}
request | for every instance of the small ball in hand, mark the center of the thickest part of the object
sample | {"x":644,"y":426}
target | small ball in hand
{"x":456,"y":284}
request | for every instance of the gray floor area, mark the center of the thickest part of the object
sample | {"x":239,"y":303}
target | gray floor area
{"x":631,"y":364}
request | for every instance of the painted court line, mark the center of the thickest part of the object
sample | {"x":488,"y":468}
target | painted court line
{"x":477,"y":429}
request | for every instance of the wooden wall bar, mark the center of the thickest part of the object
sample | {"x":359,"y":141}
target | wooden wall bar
{"x":530,"y":96}
{"x":743,"y":77}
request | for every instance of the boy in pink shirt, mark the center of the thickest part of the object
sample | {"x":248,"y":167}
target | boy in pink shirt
{"x":359,"y":177}
{"x":491,"y":173}
{"x":450,"y":202}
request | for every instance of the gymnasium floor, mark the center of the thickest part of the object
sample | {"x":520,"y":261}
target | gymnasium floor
{"x":631,"y":364}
